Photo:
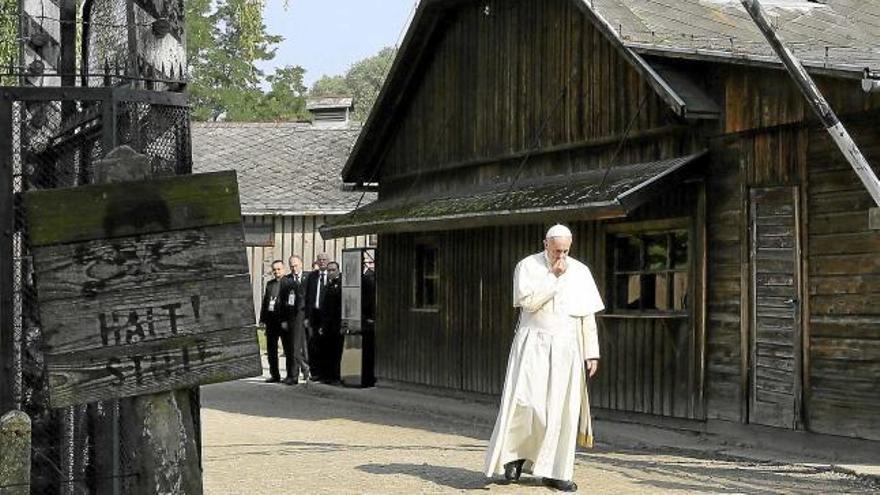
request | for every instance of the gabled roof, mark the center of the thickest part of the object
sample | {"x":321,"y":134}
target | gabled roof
{"x":839,"y":37}
{"x":283,"y":168}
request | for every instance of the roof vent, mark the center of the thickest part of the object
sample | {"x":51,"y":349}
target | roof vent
{"x":330,"y":111}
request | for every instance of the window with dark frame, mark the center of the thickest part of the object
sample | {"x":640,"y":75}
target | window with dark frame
{"x":427,"y":282}
{"x":651,"y":272}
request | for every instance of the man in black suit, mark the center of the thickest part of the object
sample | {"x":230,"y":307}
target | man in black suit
{"x":295,"y":305}
{"x":331,"y":323}
{"x":368,"y":312}
{"x":272,"y":315}
{"x":316,"y":285}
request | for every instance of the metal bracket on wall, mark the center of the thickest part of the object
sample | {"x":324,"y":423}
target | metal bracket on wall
{"x":874,"y":218}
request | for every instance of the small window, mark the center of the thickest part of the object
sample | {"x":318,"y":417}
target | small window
{"x":427,"y":282}
{"x":259,"y":234}
{"x":651,"y":272}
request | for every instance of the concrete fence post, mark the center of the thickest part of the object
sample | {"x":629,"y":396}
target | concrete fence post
{"x":15,"y":453}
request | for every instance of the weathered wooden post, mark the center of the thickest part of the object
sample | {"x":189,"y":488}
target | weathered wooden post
{"x":143,"y":290}
{"x":817,"y":102}
{"x":15,"y":453}
{"x":161,"y":425}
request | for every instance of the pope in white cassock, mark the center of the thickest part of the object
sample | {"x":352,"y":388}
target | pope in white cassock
{"x":544,"y":409}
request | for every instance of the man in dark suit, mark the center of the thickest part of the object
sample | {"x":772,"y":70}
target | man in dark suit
{"x":316,"y":285}
{"x":272,"y":315}
{"x":295,"y":305}
{"x":331,"y":323}
{"x":368,"y":312}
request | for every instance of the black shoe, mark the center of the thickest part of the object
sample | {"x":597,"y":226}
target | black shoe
{"x":513,"y":470}
{"x":273,"y":379}
{"x":290,"y":381}
{"x":561,"y":485}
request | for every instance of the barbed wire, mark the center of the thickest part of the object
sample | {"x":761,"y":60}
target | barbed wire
{"x":126,"y":77}
{"x":78,"y":21}
{"x":80,"y":481}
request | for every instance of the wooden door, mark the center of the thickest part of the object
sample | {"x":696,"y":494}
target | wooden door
{"x":776,"y":342}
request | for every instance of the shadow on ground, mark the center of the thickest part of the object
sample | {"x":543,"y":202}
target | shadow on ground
{"x":253,"y":397}
{"x":237,"y":450}
{"x":667,"y":469}
{"x":451,"y":477}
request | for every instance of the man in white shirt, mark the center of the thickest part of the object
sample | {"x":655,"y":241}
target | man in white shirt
{"x":294,"y":300}
{"x":544,"y":409}
{"x":272,"y":314}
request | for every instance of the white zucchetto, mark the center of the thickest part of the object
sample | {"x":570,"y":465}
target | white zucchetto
{"x":558,"y":230}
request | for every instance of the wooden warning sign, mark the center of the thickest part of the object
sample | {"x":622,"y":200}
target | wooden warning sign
{"x":142,"y":286}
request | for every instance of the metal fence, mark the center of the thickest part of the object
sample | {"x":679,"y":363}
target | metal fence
{"x":51,"y":138}
{"x":137,"y":41}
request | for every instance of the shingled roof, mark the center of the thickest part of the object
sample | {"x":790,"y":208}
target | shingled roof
{"x":834,"y":35}
{"x":593,"y":194}
{"x":283,"y":168}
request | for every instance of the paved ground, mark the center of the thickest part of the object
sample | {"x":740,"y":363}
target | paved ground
{"x":269,"y":438}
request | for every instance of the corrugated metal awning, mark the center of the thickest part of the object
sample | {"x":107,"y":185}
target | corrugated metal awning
{"x":586,"y":195}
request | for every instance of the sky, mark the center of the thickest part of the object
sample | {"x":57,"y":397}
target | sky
{"x":327,"y":36}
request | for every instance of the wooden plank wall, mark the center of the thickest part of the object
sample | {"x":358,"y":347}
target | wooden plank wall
{"x":292,"y":235}
{"x":843,"y":393}
{"x":724,"y":390}
{"x":649,"y":365}
{"x":758,"y":158}
{"x":765,"y":143}
{"x":530,"y":74}
{"x":464,"y":344}
{"x":646,"y":367}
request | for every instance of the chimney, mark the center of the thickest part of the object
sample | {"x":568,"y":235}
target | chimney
{"x":330,"y":111}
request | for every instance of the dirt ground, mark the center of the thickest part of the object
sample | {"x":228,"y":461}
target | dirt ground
{"x":267,"y":438}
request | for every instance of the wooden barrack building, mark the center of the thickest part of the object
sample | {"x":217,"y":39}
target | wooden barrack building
{"x":731,"y":239}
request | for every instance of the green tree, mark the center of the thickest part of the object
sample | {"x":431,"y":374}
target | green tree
{"x":8,"y":35}
{"x":331,"y":86}
{"x":362,"y":81}
{"x":225,"y":41}
{"x":285,"y":100}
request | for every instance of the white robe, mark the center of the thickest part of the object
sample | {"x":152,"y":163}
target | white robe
{"x":545,"y":395}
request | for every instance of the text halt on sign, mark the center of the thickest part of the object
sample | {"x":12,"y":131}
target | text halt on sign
{"x":142,"y":286}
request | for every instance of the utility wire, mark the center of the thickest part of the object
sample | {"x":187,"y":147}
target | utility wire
{"x":623,"y":140}
{"x":539,"y":134}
